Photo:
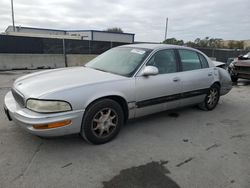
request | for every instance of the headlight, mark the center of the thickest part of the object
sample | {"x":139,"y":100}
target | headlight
{"x":47,"y":106}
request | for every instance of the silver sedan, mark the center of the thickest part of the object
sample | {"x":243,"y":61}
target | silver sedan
{"x":123,"y":83}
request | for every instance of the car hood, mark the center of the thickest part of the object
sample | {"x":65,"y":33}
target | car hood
{"x":36,"y":85}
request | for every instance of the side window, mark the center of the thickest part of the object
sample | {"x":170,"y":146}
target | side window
{"x":203,"y":60}
{"x":190,"y":60}
{"x":165,"y":61}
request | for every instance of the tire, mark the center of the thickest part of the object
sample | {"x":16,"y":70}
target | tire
{"x":212,"y":98}
{"x":234,"y":78}
{"x":102,"y":121}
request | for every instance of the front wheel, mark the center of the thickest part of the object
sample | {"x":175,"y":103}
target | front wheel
{"x":102,"y":121}
{"x":212,"y":98}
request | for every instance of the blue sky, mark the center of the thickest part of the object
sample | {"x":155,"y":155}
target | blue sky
{"x":227,"y":19}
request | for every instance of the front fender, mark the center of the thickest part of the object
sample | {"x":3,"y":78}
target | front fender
{"x":103,"y":95}
{"x":80,"y":97}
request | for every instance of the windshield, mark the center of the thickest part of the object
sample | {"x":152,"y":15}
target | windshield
{"x":122,"y":60}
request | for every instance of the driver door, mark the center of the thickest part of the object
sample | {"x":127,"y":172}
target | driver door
{"x":159,"y":92}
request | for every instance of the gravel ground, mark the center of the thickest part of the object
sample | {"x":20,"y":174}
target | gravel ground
{"x":182,"y":148}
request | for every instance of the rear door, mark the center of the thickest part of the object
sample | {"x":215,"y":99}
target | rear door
{"x":196,"y":76}
{"x":157,"y":93}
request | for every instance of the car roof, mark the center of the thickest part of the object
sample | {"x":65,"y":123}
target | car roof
{"x":156,"y":46}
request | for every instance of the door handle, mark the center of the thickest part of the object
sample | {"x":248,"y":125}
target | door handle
{"x":210,"y":74}
{"x":176,"y":79}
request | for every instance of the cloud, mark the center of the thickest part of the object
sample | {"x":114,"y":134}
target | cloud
{"x":227,"y":19}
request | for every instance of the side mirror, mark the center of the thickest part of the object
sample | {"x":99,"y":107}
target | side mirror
{"x":150,"y":70}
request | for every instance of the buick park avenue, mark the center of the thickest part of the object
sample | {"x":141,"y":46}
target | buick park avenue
{"x":123,"y":83}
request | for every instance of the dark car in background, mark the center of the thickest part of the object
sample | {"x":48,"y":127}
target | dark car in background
{"x":230,"y":60}
{"x":240,"y":68}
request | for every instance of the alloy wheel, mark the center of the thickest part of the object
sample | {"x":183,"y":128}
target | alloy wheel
{"x":212,"y":97}
{"x":104,"y":122}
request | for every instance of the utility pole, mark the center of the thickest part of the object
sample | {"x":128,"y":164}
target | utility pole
{"x":13,"y":19}
{"x":166,"y":30}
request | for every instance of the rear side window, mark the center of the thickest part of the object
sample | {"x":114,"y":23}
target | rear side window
{"x":190,"y":60}
{"x":203,"y":60}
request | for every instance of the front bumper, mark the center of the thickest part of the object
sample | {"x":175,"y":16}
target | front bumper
{"x":27,"y":118}
{"x":240,"y":71}
{"x":244,"y":75}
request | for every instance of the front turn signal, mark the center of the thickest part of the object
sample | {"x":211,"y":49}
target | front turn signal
{"x":52,"y":125}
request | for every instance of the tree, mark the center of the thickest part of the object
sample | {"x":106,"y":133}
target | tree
{"x":114,"y":29}
{"x":173,"y":41}
{"x":208,"y":42}
{"x":231,"y":44}
{"x":201,"y":42}
{"x":190,"y":44}
{"x":236,"y":44}
{"x":239,"y":45}
{"x":197,"y":41}
{"x":214,"y":43}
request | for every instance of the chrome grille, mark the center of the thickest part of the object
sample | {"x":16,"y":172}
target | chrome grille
{"x":18,"y":97}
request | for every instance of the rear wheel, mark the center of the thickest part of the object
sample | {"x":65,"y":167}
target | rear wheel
{"x":212,"y":98}
{"x":102,"y":121}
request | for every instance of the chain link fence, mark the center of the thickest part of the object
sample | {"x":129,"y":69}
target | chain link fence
{"x":222,"y":54}
{"x":35,"y":45}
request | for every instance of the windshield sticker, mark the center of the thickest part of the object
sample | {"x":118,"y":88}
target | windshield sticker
{"x":141,"y":52}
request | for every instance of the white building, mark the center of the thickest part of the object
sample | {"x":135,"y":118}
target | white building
{"x":94,"y":35}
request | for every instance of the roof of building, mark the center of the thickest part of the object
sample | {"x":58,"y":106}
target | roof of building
{"x":99,"y":31}
{"x":42,"y":29}
{"x":61,"y":30}
{"x":155,"y":46}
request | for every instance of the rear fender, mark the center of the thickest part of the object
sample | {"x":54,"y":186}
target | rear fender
{"x":224,"y":80}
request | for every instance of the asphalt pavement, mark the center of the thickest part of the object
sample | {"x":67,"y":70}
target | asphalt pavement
{"x":183,"y":148}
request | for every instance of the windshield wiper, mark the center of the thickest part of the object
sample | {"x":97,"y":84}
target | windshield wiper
{"x":98,"y":69}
